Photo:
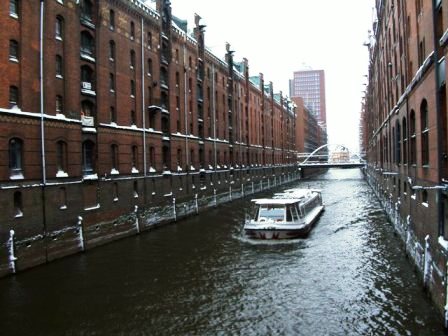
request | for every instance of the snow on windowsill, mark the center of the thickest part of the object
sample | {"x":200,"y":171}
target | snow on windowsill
{"x":61,"y":173}
{"x":90,"y":177}
{"x":134,"y":170}
{"x":114,"y":171}
{"x":16,"y":176}
{"x":93,"y":208}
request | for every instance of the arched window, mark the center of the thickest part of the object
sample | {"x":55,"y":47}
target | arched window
{"x":16,"y":158}
{"x":88,"y":161}
{"x":61,"y":157}
{"x":87,"y":10}
{"x":163,"y":76}
{"x":112,"y":19}
{"x":111,"y":82}
{"x":133,"y":118}
{"x":59,"y":67}
{"x":115,"y":191}
{"x":113,"y":115}
{"x":62,"y":198}
{"x":397,"y":143}
{"x":179,"y":157}
{"x":152,"y":158}
{"x":132,"y":59}
{"x":413,"y":136}
{"x":13,"y":50}
{"x":87,"y":44}
{"x":132,"y":88}
{"x":405,"y":140}
{"x":14,"y":8}
{"x":135,"y":189}
{"x":59,"y":28}
{"x":87,"y":108}
{"x":59,"y":105}
{"x":132,"y":30}
{"x":149,"y":39}
{"x":134,"y":162}
{"x":18,"y":204}
{"x":114,"y":158}
{"x":87,"y":76}
{"x":424,"y":132}
{"x":166,"y":158}
{"x":13,"y":97}
{"x":112,"y":50}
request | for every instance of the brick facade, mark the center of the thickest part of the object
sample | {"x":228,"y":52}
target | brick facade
{"x":131,"y":114}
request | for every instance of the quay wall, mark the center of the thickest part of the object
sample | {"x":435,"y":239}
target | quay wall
{"x":94,"y":214}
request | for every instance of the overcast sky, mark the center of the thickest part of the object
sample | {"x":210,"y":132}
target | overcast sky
{"x":282,"y":36}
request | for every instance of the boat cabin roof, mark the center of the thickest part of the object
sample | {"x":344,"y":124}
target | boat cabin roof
{"x":275,"y":201}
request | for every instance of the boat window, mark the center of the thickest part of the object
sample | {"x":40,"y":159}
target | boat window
{"x":301,"y":211}
{"x":273,"y":212}
{"x":289,"y":214}
{"x":295,"y":218}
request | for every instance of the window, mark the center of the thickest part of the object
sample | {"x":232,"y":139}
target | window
{"x":13,"y":50}
{"x":112,"y":20}
{"x":18,"y":204}
{"x":425,"y":132}
{"x":15,"y":158}
{"x":59,"y":66}
{"x":61,"y":158}
{"x":14,"y":8}
{"x":152,"y":158}
{"x":87,"y":108}
{"x":87,"y":44}
{"x":86,"y":10}
{"x":114,"y":158}
{"x":59,"y":28}
{"x":62,"y":198}
{"x":113,"y":115}
{"x":115,"y":191}
{"x":112,"y":50}
{"x":132,"y":88}
{"x":111,"y":82}
{"x":135,"y":189}
{"x":132,"y":30}
{"x":13,"y":97}
{"x":405,"y":141}
{"x":59,"y":105}
{"x":413,"y":136}
{"x":87,"y":157}
{"x":133,"y":118}
{"x":134,"y":159}
{"x":132,"y":59}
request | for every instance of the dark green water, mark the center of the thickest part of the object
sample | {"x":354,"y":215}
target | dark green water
{"x":201,"y":276}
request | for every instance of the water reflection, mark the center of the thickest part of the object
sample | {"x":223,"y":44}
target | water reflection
{"x":202,"y":276}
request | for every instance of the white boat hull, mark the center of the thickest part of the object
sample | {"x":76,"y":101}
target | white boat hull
{"x":271,"y":230}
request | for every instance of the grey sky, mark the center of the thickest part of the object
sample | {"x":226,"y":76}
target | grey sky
{"x":279,"y":37}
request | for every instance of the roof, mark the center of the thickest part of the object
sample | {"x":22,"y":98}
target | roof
{"x":275,"y":201}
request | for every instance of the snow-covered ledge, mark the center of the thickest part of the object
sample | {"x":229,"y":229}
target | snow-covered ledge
{"x":444,"y":243}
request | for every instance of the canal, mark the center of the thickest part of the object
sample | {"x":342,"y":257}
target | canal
{"x":201,"y":276}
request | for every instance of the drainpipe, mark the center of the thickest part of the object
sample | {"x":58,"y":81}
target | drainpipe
{"x":42,"y":120}
{"x":187,"y":157}
{"x":214,"y":115}
{"x":41,"y":65}
{"x":143,"y":103}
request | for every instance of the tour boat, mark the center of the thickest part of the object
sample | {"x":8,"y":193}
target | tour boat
{"x":290,"y":214}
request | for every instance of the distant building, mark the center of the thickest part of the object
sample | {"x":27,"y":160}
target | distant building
{"x":310,"y":85}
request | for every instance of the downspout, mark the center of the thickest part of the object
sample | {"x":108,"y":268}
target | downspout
{"x":214,"y":116}
{"x":187,"y":157}
{"x":41,"y":70}
{"x":42,"y":120}
{"x":143,"y":103}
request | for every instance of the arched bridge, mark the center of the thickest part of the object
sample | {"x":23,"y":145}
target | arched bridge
{"x":338,"y":157}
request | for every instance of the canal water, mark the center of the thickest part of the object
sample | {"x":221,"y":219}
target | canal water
{"x":201,"y":276}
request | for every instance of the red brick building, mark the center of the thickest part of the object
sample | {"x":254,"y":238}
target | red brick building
{"x":108,"y":111}
{"x":404,"y":131}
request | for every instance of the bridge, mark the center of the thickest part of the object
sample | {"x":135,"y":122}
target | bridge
{"x":339,"y":158}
